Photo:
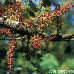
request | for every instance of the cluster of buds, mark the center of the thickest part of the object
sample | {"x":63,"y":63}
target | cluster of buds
{"x":42,"y":20}
{"x":49,"y":17}
{"x":29,"y":23}
{"x":36,"y":41}
{"x":13,"y":12}
{"x":45,"y":19}
{"x":11,"y":53}
{"x":59,"y":11}
{"x":18,"y":11}
{"x":57,"y":21}
{"x":5,"y":32}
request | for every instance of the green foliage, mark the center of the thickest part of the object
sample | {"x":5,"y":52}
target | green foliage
{"x":49,"y":62}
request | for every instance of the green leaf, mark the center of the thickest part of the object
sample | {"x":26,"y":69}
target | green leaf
{"x":49,"y":62}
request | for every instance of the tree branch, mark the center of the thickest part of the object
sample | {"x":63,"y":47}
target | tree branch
{"x":19,"y":28}
{"x":16,"y":38}
{"x":63,"y":37}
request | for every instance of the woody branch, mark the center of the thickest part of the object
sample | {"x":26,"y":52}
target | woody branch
{"x":18,"y":27}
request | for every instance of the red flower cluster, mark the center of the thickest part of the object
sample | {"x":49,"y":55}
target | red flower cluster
{"x":6,"y":32}
{"x":41,"y":21}
{"x":60,"y":11}
{"x":13,"y":12}
{"x":18,"y":11}
{"x":29,"y":23}
{"x":11,"y":53}
{"x":46,"y":19}
{"x":36,"y":41}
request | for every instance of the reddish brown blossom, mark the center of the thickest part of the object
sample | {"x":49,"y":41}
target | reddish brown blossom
{"x":11,"y":53}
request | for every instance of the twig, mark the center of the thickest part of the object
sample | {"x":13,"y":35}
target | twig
{"x":64,"y":37}
{"x":38,"y":12}
{"x":18,"y":38}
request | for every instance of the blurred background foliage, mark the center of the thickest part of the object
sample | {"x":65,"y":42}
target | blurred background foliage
{"x":52,"y":55}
